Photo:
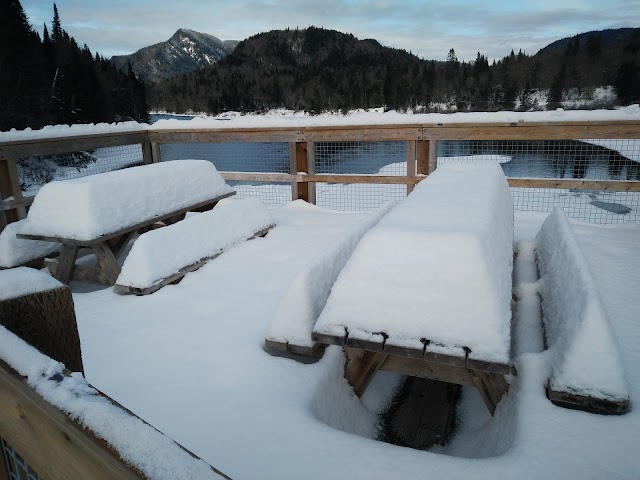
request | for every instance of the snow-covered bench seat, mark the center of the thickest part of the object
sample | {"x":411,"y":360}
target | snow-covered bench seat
{"x":163,"y":256}
{"x":17,"y":251}
{"x":291,"y":327}
{"x":431,"y":282}
{"x":587,"y":372}
{"x":40,"y":310}
{"x":103,"y":211}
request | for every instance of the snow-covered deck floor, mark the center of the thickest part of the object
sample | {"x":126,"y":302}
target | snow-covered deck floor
{"x":189,"y":359}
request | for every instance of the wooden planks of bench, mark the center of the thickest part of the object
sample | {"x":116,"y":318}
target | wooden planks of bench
{"x":176,"y":277}
{"x":107,"y":248}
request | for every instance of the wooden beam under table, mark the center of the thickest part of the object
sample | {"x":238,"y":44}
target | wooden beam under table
{"x":363,"y":364}
{"x":362,"y":368}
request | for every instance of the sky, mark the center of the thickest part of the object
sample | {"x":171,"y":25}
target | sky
{"x":427,"y":28}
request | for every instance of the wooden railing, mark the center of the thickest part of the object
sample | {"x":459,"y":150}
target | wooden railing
{"x":22,"y":404}
{"x":421,"y":152}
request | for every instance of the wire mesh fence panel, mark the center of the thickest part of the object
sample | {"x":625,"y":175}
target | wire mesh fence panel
{"x":564,"y":159}
{"x":357,"y":196}
{"x":384,"y":158}
{"x":233,"y":156}
{"x":36,"y":171}
{"x":271,"y":194}
{"x":16,"y":467}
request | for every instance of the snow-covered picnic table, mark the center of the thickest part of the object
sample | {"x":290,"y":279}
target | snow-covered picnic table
{"x":103,"y":212}
{"x":427,"y":291}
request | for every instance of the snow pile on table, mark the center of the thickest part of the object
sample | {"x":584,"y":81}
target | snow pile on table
{"x":437,"y":267}
{"x":585,"y":354}
{"x":16,"y":251}
{"x":88,"y":207}
{"x":161,"y":253}
{"x":138,"y":444}
{"x":308,"y":293}
{"x":16,"y":282}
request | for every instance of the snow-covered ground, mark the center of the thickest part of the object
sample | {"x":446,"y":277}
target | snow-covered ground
{"x":190,"y":360}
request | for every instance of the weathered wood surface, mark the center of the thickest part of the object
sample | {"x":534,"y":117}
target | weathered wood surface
{"x":412,"y":162}
{"x":16,"y":203}
{"x":46,"y":146}
{"x":362,"y":368}
{"x":47,"y":321}
{"x":577,"y":184}
{"x":257,"y":177}
{"x":587,"y":403}
{"x":365,"y":356}
{"x":375,"y":179}
{"x":10,"y":188}
{"x":380,"y":343}
{"x":52,"y":443}
{"x":316,"y":351}
{"x":421,"y":414}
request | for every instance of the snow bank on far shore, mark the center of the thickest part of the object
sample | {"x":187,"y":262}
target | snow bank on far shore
{"x":285,"y":119}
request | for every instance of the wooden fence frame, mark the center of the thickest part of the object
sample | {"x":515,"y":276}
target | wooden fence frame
{"x":421,"y":152}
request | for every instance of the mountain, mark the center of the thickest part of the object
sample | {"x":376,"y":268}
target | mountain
{"x":607,"y":38}
{"x":184,"y":52}
{"x":317,"y":69}
{"x":309,"y":69}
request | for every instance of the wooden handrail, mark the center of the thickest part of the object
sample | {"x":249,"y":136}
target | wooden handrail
{"x":422,"y":141}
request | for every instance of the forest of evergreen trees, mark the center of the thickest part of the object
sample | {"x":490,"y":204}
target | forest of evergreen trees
{"x":51,"y":80}
{"x":317,"y":69}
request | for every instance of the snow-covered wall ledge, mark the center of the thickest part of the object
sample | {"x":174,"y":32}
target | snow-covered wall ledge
{"x":32,"y":384}
{"x":291,"y":120}
{"x":587,"y":371}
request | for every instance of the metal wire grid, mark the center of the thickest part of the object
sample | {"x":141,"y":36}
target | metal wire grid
{"x":384,"y":158}
{"x":566,"y":159}
{"x":271,"y":194}
{"x":36,"y":171}
{"x":233,"y":156}
{"x":357,"y":196}
{"x":262,"y":157}
{"x":16,"y":467}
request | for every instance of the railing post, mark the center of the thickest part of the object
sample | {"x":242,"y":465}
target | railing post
{"x":433,"y":156}
{"x":150,"y":153}
{"x":311,"y":170}
{"x":302,"y":159}
{"x":411,"y":163}
{"x":427,"y":156}
{"x":10,"y":188}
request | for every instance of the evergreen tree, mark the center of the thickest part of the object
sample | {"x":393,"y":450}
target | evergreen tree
{"x":627,"y":84}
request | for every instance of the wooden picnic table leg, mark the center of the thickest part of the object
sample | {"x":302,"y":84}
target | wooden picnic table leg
{"x":362,"y":368}
{"x":492,"y":386}
{"x":118,"y":244}
{"x":107,"y":261}
{"x":63,"y":271}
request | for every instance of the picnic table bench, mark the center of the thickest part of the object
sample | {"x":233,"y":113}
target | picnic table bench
{"x":427,"y":291}
{"x":103,"y":212}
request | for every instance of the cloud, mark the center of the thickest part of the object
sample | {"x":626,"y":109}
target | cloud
{"x":427,"y":28}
